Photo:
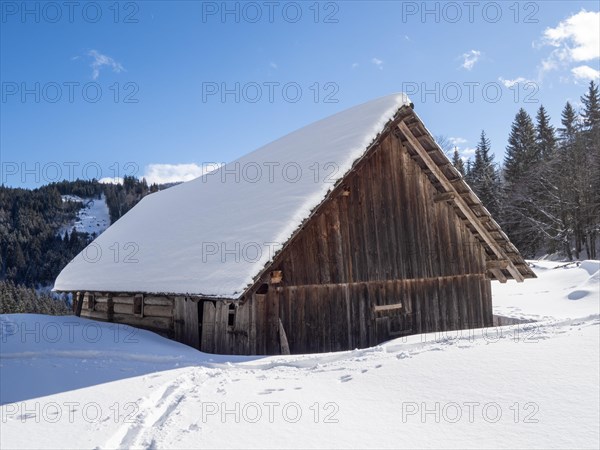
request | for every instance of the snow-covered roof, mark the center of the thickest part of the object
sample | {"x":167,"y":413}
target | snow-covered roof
{"x":213,"y":235}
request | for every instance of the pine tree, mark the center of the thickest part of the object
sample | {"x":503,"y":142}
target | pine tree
{"x":458,"y":163}
{"x":484,"y":179}
{"x":545,"y":134}
{"x":570,"y":125}
{"x":591,"y":110}
{"x":521,"y":216}
{"x":589,"y":178}
{"x":522,"y":151}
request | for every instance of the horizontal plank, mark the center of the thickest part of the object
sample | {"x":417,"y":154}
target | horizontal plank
{"x":443,"y":197}
{"x":123,"y":308}
{"x":497,"y":264}
{"x":159,"y":323}
{"x":380,"y":282}
{"x":158,"y":311}
{"x":383,"y":308}
{"x":158,"y":301}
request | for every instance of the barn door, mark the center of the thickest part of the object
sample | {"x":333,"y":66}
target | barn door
{"x":186,"y":321}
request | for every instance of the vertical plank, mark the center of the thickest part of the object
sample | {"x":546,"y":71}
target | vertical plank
{"x":208,"y":327}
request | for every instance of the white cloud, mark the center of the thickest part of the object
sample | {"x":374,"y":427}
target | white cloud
{"x":172,"y":173}
{"x":99,"y":60}
{"x":456,"y":141}
{"x":273,"y":65}
{"x":354,"y":65}
{"x":378,"y":62}
{"x":466,"y":153}
{"x":510,"y":83}
{"x":585,"y":73}
{"x":470,"y":59}
{"x":574,"y":40}
{"x":576,"y":36}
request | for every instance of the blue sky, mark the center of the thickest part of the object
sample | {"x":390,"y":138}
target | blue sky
{"x":108,"y":88}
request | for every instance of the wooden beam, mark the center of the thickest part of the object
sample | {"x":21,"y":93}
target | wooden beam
{"x":497,"y":273}
{"x":443,"y":197}
{"x":459,"y":201}
{"x":383,"y":308}
{"x":497,"y":264}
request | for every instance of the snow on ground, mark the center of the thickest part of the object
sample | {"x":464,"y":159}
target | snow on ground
{"x":75,"y":383}
{"x":93,"y":217}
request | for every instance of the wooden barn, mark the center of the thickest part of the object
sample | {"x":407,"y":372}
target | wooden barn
{"x":349,"y":232}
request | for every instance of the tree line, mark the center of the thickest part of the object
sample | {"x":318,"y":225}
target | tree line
{"x":546,"y":194}
{"x":19,"y":299}
{"x":33,"y":250}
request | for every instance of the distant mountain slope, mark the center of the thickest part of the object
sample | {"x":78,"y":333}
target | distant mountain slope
{"x":42,"y":229}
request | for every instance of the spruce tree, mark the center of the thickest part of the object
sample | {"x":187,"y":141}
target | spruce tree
{"x":521,"y":216}
{"x":591,"y":107}
{"x":522,"y":151}
{"x":545,"y":134}
{"x":570,"y":125}
{"x":458,"y":163}
{"x":589,"y":172}
{"x":484,"y":177}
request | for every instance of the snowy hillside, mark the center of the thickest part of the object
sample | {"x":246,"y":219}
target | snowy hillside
{"x":74,"y":383}
{"x":93,"y":217}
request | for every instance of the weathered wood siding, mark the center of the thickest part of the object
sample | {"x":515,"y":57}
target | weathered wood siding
{"x":156,"y":313}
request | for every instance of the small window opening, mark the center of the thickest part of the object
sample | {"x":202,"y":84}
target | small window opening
{"x":91,"y":302}
{"x":138,"y":305}
{"x":231,"y":316}
{"x":263,"y":289}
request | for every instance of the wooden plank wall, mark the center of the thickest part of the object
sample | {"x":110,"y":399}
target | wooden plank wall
{"x":157,"y":311}
{"x":387,"y":228}
{"x":335,"y":317}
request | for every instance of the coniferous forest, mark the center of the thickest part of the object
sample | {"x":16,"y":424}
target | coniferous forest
{"x":545,"y":195}
{"x":33,"y":251}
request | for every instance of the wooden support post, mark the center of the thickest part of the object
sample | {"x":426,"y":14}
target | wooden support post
{"x":80,"y":297}
{"x":110,"y":308}
{"x":283,"y":342}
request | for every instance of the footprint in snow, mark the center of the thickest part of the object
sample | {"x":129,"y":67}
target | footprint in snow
{"x":266,"y":392}
{"x":345,"y":378}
